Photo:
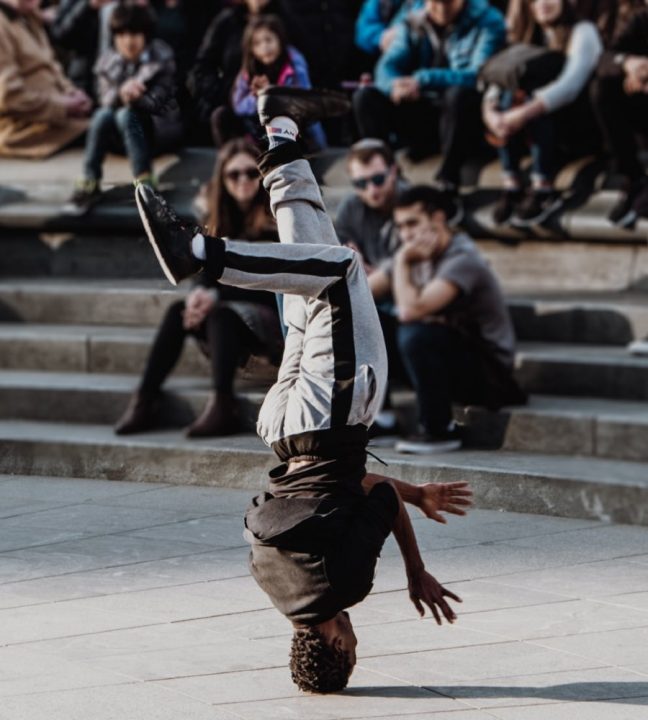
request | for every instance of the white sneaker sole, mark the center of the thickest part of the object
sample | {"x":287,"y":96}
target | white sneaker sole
{"x":414,"y":448}
{"x":151,"y":238}
{"x":638,"y":347}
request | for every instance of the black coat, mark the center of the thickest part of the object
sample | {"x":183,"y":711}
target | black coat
{"x":219,"y":59}
{"x":632,"y":40}
{"x":324,"y":31}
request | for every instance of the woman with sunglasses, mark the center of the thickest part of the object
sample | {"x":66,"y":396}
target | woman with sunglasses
{"x":230,"y":324}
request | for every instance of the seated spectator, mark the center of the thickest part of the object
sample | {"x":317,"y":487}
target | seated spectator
{"x":364,"y":222}
{"x":620,"y":98}
{"x":136,"y":82}
{"x":230,"y":324}
{"x":267,"y":60}
{"x":559,"y":106}
{"x":220,"y":56}
{"x":376,"y":24}
{"x":75,"y":30}
{"x":427,"y":79}
{"x":455,"y":334}
{"x":41,"y":111}
{"x":609,"y":16}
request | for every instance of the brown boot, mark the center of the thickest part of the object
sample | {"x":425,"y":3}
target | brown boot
{"x":140,"y":415}
{"x":220,"y":417}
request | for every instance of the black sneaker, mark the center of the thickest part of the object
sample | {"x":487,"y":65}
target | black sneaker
{"x":168,"y":234}
{"x":86,"y":194}
{"x":506,"y":205}
{"x":536,"y":208}
{"x":624,"y":213}
{"x":430,"y":443}
{"x":301,"y":105}
{"x":640,"y":204}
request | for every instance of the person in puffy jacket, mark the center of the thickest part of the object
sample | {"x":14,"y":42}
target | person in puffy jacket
{"x":425,"y":83}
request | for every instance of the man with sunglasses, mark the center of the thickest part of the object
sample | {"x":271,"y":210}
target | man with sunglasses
{"x":425,"y":83}
{"x":364,"y":223}
{"x":317,"y":532}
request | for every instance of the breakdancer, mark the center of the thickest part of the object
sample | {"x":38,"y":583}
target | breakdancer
{"x":317,"y":532}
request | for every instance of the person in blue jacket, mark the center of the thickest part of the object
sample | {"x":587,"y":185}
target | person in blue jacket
{"x":425,"y":83}
{"x":376,"y":24}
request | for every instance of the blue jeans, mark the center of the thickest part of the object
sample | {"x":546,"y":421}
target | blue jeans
{"x":540,"y":136}
{"x":116,"y":130}
{"x":443,"y":366}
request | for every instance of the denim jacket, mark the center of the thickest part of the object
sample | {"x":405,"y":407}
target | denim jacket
{"x":478,"y":33}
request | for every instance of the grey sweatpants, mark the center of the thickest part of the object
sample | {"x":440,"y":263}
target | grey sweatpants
{"x":334,"y":368}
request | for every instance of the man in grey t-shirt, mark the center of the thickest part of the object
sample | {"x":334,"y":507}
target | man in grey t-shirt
{"x":455,"y":334}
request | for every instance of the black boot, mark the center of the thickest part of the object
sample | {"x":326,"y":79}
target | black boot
{"x":140,"y":415}
{"x":220,"y":417}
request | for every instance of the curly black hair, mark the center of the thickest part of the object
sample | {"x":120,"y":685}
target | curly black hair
{"x":316,"y":666}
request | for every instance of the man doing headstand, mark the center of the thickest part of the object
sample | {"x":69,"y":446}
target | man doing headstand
{"x":317,"y":532}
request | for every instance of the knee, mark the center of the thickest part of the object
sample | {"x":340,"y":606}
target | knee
{"x":421,"y":339}
{"x":602,"y":90}
{"x":456,"y":98}
{"x":102,"y":118}
{"x":125,"y":118}
{"x":366,"y":97}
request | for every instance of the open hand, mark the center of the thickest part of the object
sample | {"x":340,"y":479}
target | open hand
{"x":444,"y":497}
{"x":423,"y":588}
{"x":405,"y":89}
{"x":199,"y":303}
{"x":131,"y":91}
{"x":258,"y":83}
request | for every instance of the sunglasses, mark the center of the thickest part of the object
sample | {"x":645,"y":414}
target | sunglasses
{"x":378,"y":180}
{"x":236,"y":175}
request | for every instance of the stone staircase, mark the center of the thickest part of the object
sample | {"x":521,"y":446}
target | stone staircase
{"x":78,"y":310}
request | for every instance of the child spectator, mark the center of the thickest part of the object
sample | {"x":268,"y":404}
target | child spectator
{"x":550,"y":109}
{"x":229,"y":323}
{"x":136,"y":82}
{"x":219,"y":57}
{"x":40,"y":109}
{"x":267,"y":60}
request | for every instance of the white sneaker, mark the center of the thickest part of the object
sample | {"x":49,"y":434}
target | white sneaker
{"x":638,"y":347}
{"x":429,"y":444}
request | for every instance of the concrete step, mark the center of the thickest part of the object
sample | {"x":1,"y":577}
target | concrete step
{"x":609,"y":490}
{"x":597,"y":318}
{"x":582,"y":371}
{"x":551,"y":425}
{"x":543,"y":368}
{"x":534,"y":264}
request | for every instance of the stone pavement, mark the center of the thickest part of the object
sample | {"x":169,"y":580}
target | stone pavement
{"x":121,"y":600}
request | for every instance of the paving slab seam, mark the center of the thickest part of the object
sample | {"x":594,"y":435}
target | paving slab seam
{"x":115,"y":594}
{"x":126,"y":533}
{"x":107,"y":567}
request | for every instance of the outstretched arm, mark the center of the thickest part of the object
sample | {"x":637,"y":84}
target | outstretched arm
{"x":423,"y":588}
{"x":432,"y":498}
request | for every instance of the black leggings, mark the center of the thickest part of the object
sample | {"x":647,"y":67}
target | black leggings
{"x":228,"y":340}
